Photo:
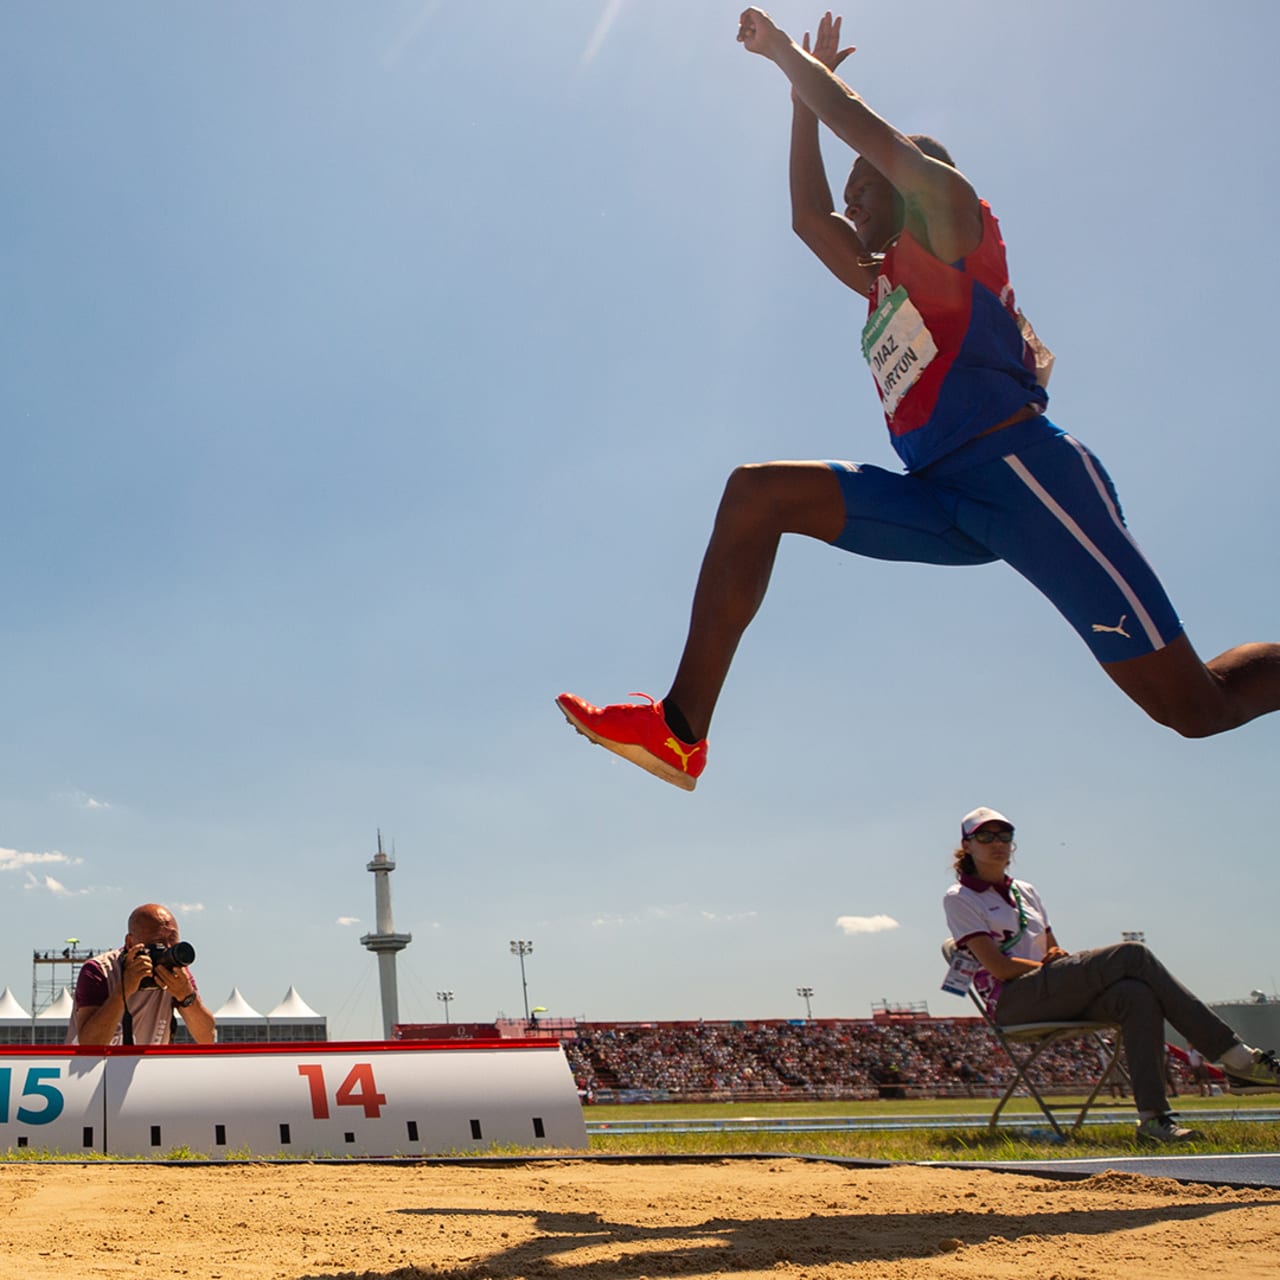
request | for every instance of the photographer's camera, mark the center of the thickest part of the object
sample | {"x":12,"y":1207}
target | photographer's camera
{"x":177,"y":956}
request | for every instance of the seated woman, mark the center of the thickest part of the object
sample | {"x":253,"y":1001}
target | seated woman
{"x":1025,"y":976}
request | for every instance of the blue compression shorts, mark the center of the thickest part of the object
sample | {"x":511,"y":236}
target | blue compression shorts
{"x":1034,"y":497}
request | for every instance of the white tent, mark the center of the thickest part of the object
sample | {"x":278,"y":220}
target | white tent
{"x":239,"y":1021}
{"x":237,"y":1009}
{"x":10,"y":1010}
{"x":59,"y":1010}
{"x":293,"y":1006}
{"x":294,"y":1019}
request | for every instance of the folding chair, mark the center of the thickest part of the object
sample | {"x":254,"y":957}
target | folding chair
{"x":1035,"y":1038}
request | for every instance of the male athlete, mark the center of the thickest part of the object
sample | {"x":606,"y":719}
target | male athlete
{"x":988,"y":476}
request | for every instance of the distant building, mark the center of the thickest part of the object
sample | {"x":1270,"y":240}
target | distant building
{"x":50,"y":1025}
{"x":446,"y":1031}
{"x":292,"y":1020}
{"x":1257,"y":1022}
{"x":238,"y":1021}
{"x":295,"y":1020}
{"x":15,"y":1021}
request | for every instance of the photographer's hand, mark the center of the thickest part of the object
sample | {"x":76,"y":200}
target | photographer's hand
{"x":174,"y":982}
{"x":193,"y":1011}
{"x":137,"y":966}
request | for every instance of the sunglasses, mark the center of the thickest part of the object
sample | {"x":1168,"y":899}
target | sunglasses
{"x":992,"y":837}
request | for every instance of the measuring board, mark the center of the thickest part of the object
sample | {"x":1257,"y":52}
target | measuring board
{"x":358,"y":1098}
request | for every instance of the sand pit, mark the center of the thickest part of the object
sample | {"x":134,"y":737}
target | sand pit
{"x":599,"y":1220}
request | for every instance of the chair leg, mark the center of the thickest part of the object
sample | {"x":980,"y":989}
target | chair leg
{"x":1023,"y":1076}
{"x":1113,"y":1054}
{"x":1022,"y":1071}
{"x":994,"y":1123}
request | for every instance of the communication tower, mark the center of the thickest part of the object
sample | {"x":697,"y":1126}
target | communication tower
{"x":386,"y":942}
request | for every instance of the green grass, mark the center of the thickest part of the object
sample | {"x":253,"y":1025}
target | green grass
{"x":34,"y":1155}
{"x":881,"y":1107}
{"x":1029,"y":1138}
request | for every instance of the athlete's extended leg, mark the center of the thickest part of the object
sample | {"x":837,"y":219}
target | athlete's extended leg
{"x":864,"y":510}
{"x":760,"y":504}
{"x":1198,"y":699}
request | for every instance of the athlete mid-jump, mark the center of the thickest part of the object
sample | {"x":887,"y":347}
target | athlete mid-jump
{"x":988,"y":477}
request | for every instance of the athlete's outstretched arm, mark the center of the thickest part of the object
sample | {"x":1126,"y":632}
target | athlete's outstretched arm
{"x":813,"y":215}
{"x":942,"y":208}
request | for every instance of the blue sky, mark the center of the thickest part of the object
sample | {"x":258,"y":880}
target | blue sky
{"x":369,"y":375}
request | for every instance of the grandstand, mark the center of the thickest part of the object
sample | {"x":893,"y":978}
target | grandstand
{"x":898,"y":1053}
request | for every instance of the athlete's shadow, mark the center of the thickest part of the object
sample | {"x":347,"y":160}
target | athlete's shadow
{"x":759,"y":1243}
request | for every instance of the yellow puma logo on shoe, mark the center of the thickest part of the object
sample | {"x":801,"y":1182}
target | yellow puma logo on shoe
{"x":674,"y":744}
{"x":1118,"y":629}
{"x":639,"y":734}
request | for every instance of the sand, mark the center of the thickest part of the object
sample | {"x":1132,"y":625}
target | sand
{"x":595,"y":1220}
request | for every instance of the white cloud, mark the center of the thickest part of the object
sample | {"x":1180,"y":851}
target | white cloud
{"x":83,"y":800}
{"x":680,"y":911}
{"x":867,"y":924}
{"x":646,"y":915}
{"x":729,"y":917}
{"x":188,"y":908}
{"x":55,"y":887}
{"x":348,"y":920}
{"x":15,"y":860}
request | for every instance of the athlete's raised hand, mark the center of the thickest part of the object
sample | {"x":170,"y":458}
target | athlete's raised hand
{"x":826,"y":47}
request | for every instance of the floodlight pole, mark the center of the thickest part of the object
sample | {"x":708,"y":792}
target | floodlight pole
{"x":444,"y":997}
{"x":806,"y":993}
{"x":521,"y":948}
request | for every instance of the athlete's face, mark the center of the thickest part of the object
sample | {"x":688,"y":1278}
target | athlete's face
{"x":873,"y":206}
{"x":991,"y":848}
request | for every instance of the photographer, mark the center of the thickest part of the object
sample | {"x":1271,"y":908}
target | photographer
{"x":127,"y":996}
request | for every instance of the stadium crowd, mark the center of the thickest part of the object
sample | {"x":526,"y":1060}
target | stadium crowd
{"x":921,"y":1057}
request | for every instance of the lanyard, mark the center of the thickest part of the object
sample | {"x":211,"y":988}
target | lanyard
{"x":1009,"y":944}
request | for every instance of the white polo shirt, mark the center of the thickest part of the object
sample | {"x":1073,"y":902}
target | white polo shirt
{"x":1011,"y":915}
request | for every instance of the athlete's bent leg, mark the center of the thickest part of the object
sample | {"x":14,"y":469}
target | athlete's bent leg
{"x":1050,"y":510}
{"x":1198,"y":699}
{"x":761,"y":502}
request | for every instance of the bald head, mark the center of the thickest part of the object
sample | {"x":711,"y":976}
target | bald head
{"x":152,"y":923}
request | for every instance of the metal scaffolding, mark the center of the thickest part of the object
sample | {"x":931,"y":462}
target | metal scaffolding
{"x":54,"y":969}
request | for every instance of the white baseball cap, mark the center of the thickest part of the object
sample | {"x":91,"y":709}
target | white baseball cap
{"x":979,"y":818}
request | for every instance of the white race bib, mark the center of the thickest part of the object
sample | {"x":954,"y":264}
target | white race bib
{"x":897,"y":346}
{"x":964,"y":968}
